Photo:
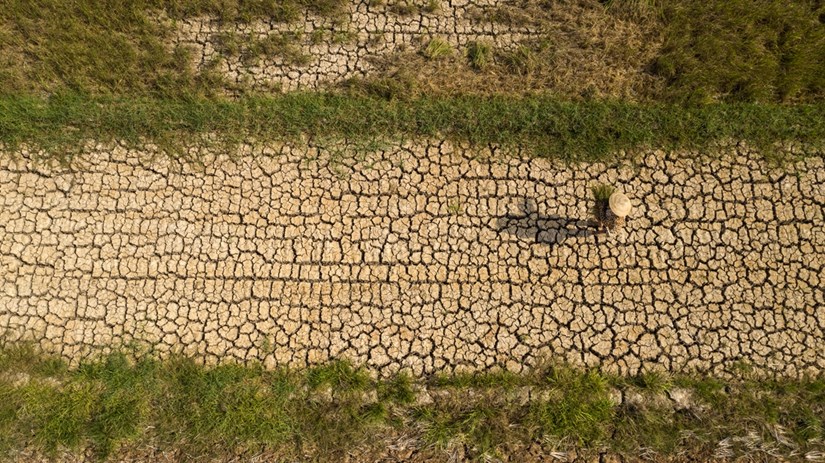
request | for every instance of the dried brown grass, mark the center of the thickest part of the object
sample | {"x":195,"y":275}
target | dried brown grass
{"x":585,"y":50}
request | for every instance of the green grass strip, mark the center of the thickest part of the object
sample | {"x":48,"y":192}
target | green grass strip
{"x":546,"y":127}
{"x":122,"y":401}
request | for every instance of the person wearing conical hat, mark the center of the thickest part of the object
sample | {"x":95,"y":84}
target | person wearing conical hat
{"x":619,"y":207}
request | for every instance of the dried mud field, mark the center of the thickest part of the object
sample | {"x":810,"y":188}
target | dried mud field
{"x":421,"y":256}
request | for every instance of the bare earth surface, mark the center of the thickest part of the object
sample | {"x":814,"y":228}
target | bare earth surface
{"x":418,"y":257}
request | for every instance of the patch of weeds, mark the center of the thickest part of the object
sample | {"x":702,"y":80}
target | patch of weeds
{"x":510,"y":15}
{"x":11,"y":406}
{"x":438,"y":48}
{"x":398,"y":389}
{"x":329,"y":8}
{"x":206,"y":412}
{"x":225,"y":405}
{"x":651,"y":427}
{"x":488,"y":380}
{"x":483,"y":425}
{"x":58,"y":418}
{"x":433,"y":6}
{"x":710,"y":391}
{"x":228,"y":43}
{"x":522,"y":60}
{"x":282,"y":45}
{"x":403,"y":8}
{"x":635,"y":9}
{"x":741,"y":369}
{"x":479,"y":54}
{"x":395,"y":87}
{"x":339,"y":375}
{"x":317,"y":36}
{"x":26,"y":359}
{"x":580,"y":409}
{"x":344,"y":37}
{"x":123,"y":403}
{"x":541,"y":125}
{"x":655,"y":382}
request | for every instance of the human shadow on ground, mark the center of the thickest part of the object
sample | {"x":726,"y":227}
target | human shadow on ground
{"x":527,"y":224}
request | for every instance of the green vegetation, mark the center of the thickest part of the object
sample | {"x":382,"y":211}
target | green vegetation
{"x":601,"y":192}
{"x":121,"y":402}
{"x":438,"y":48}
{"x":480,"y":54}
{"x":718,"y":51}
{"x":104,"y":69}
{"x":568,"y":130}
{"x":251,"y":48}
{"x":738,"y":50}
{"x":115,"y":47}
{"x":522,"y":61}
{"x":663,"y":51}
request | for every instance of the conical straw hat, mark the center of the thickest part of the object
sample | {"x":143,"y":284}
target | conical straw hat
{"x":620,"y":204}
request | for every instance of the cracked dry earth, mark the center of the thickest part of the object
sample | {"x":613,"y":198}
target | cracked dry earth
{"x":340,"y":48}
{"x":426,"y":257}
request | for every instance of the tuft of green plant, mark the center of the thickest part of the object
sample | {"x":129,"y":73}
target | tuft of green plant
{"x":479,"y":54}
{"x":438,"y":48}
{"x":317,"y":36}
{"x":602,"y":191}
{"x":454,"y":207}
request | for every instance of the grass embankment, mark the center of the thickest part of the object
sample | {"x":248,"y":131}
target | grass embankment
{"x":594,"y":130}
{"x":116,"y":404}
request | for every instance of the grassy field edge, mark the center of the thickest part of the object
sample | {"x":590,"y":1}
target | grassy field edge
{"x":540,"y":124}
{"x":121,"y":402}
